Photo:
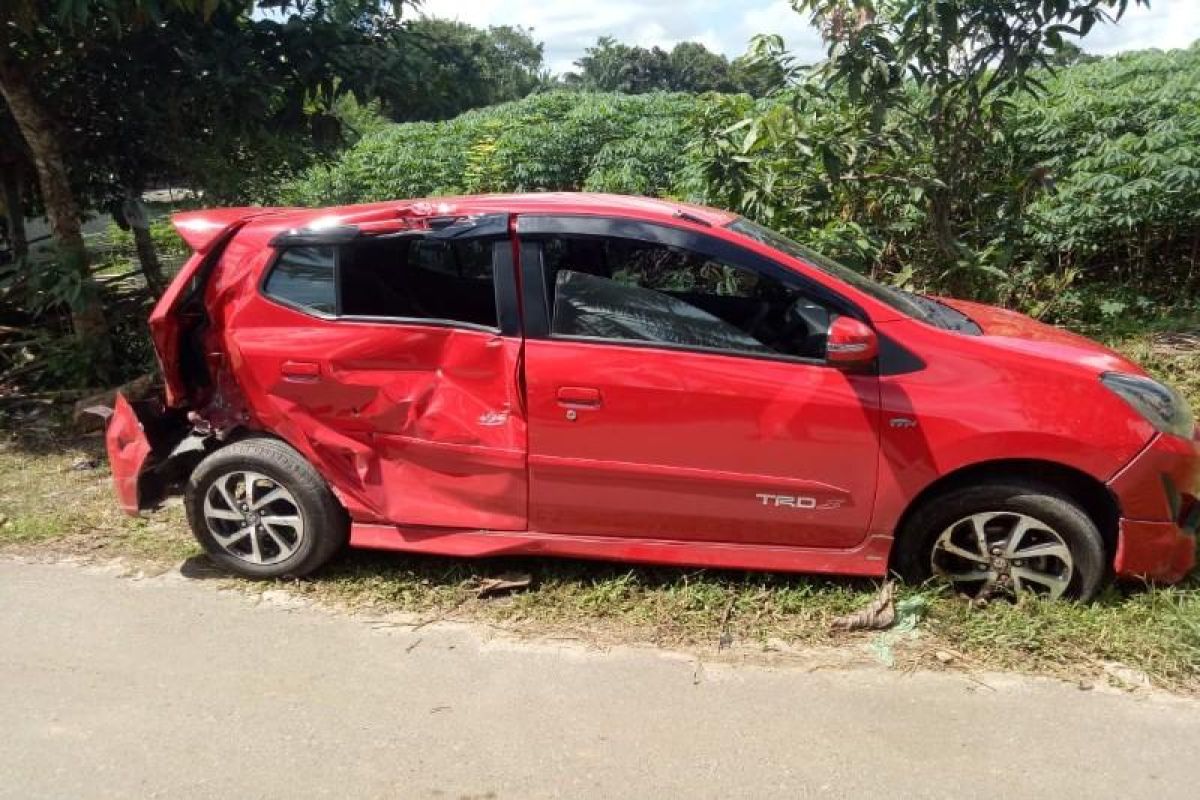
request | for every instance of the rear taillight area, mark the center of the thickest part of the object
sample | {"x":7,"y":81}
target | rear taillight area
{"x":178,"y":320}
{"x":148,"y":451}
{"x":177,"y":313}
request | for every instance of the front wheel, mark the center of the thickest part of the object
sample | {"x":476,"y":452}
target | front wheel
{"x":260,"y":510}
{"x":1004,"y":537}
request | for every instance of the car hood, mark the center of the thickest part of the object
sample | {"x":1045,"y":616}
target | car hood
{"x":1026,"y":334}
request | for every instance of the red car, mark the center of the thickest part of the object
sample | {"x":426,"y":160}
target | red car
{"x":624,"y":378}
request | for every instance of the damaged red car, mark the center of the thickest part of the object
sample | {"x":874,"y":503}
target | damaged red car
{"x":623,"y":378}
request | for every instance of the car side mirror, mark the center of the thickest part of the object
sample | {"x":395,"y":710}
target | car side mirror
{"x":851,"y":344}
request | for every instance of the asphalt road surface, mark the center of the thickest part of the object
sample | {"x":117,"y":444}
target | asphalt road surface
{"x":111,"y":687}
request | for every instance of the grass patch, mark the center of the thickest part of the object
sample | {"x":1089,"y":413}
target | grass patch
{"x":57,"y":493}
{"x":49,"y":504}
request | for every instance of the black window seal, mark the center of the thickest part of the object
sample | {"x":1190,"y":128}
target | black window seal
{"x":368,"y":319}
{"x":646,"y":344}
{"x":306,"y":237}
{"x":504,"y":280}
{"x":453,"y":227}
{"x":337,"y":280}
{"x":535,"y":293}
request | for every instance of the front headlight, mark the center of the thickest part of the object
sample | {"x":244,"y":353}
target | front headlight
{"x":1161,"y":405}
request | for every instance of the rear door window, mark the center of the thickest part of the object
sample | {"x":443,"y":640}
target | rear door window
{"x":418,"y":278}
{"x":303,"y":277}
{"x":391,"y":278}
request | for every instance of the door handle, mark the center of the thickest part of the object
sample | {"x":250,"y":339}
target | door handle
{"x":301,"y":370}
{"x":579,"y":396}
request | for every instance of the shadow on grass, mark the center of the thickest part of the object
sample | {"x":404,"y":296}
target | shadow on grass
{"x":47,"y":434}
{"x":453,"y":571}
{"x":440,"y":573}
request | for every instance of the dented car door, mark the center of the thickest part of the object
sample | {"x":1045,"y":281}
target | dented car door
{"x":392,"y":362}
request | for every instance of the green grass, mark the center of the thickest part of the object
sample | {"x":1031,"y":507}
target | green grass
{"x":49,"y":507}
{"x":47,"y":501}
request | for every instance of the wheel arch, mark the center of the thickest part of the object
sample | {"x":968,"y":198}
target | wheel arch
{"x":1091,"y":494}
{"x":317,"y":518}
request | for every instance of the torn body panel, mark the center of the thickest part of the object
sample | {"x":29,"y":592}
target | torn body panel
{"x":411,"y":424}
{"x":1160,"y":511}
{"x":128,"y":449}
{"x":179,"y":318}
{"x":143,"y":441}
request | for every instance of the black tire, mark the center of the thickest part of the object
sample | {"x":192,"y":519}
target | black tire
{"x":326,"y":526}
{"x":915,"y":543}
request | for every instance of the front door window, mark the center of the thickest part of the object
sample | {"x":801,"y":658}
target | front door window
{"x":627,"y":290}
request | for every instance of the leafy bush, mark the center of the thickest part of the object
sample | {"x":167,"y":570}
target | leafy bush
{"x":169,"y":245}
{"x":552,"y":141}
{"x":1121,"y":137}
{"x":1081,"y":203}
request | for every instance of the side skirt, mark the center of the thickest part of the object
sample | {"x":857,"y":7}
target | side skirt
{"x":868,"y":559}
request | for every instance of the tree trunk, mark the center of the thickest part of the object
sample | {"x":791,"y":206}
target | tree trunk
{"x":139,"y":224}
{"x":14,"y":204}
{"x":87,"y":315}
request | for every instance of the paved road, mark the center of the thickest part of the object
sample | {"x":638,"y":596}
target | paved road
{"x":166,"y":688}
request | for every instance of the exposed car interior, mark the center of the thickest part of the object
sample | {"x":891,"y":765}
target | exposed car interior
{"x":418,"y":278}
{"x":623,"y":289}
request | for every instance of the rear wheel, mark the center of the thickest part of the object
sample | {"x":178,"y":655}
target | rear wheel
{"x":260,"y":510}
{"x":1004,"y":538}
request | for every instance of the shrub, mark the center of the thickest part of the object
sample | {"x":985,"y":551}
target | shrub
{"x":546,"y":142}
{"x":1093,"y":183}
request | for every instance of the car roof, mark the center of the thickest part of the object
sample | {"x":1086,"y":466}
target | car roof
{"x":582,"y":203}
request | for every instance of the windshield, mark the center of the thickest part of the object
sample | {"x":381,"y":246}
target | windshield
{"x":900,"y":300}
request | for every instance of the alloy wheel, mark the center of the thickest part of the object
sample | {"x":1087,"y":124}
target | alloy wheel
{"x":1003,"y":551}
{"x":253,"y":517}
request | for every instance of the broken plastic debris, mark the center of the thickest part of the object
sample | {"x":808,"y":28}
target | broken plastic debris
{"x":104,"y":412}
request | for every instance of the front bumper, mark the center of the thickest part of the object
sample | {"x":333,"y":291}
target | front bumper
{"x":1160,"y":512}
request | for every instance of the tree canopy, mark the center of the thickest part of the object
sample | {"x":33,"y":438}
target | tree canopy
{"x":611,"y":66}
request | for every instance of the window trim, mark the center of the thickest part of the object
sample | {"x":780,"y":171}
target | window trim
{"x":534,"y":228}
{"x":508,"y":322}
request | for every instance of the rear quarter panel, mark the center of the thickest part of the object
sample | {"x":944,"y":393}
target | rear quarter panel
{"x":409,"y":423}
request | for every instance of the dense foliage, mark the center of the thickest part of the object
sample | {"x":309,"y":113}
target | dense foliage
{"x":934,"y":147}
{"x":101,"y":100}
{"x":612,"y":66}
{"x":1094,"y":188}
{"x":101,"y":92}
{"x":552,"y":141}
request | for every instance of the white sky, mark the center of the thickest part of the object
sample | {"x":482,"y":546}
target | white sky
{"x":568,"y":26}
